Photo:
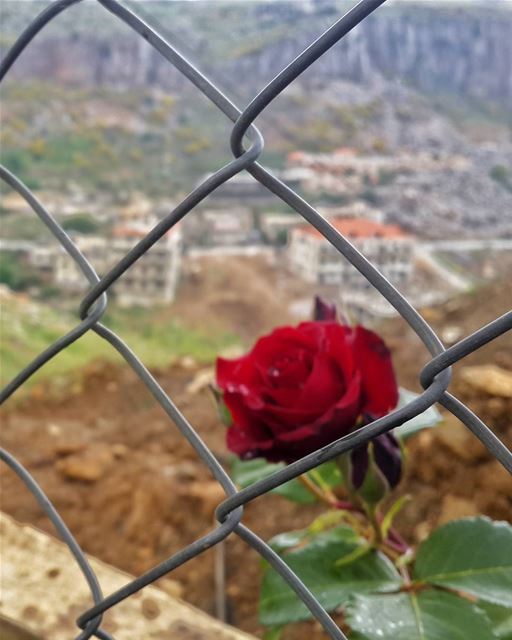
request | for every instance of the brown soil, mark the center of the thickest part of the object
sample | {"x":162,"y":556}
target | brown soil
{"x":241,"y":295}
{"x":133,"y":490}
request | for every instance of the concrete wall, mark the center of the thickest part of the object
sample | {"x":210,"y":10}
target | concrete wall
{"x":43,"y":591}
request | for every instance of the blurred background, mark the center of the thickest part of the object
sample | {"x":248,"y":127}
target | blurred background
{"x":401,"y":136}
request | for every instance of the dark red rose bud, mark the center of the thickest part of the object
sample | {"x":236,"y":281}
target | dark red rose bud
{"x":359,"y":461}
{"x":376,"y":467}
{"x":301,"y":388}
{"x":388,"y":458}
{"x":324,"y":310}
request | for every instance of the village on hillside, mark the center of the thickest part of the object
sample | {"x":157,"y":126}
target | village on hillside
{"x":242,"y":217}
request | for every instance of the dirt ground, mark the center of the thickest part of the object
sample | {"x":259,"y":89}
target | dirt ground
{"x":133,"y":490}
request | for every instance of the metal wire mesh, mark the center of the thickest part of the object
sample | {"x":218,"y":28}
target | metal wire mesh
{"x":435,"y":376}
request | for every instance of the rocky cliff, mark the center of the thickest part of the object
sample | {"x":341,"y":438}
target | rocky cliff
{"x":463,"y":49}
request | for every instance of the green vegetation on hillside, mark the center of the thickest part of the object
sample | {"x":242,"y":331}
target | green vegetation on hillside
{"x":15,"y":274}
{"x":110,"y":140}
{"x":81,"y":223}
{"x":501,"y":174}
{"x":28,"y":328}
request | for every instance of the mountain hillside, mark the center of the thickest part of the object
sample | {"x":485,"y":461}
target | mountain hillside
{"x":444,"y":48}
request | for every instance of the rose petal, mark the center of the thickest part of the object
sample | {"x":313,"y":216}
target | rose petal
{"x":324,"y":386}
{"x":290,"y":371}
{"x":244,"y":443}
{"x":235,"y":372}
{"x":242,"y":415}
{"x":345,"y":412}
{"x":286,"y":352}
{"x":339,"y":344}
{"x":282,"y":419}
{"x":285,"y":398}
{"x":333,"y":425}
{"x":281,"y":340}
{"x":373,"y":358}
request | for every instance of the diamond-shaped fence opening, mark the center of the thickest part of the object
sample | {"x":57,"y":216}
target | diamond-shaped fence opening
{"x":247,"y":146}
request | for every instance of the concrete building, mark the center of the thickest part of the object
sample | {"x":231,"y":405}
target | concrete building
{"x":230,"y":226}
{"x":276,"y":227}
{"x":388,"y":247}
{"x":356,"y":209}
{"x":242,"y":187}
{"x":66,"y":274}
{"x":346,"y":171}
{"x":153,"y":279}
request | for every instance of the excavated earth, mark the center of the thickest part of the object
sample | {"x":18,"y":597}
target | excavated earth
{"x":133,"y":490}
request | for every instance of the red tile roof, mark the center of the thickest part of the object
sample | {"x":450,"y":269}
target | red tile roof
{"x":359,"y":228}
{"x":296,"y":156}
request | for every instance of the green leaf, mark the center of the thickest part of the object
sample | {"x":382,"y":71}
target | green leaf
{"x":354,"y":555}
{"x":500,"y":617}
{"x":273,"y":634}
{"x":327,"y":475}
{"x":247,"y":472}
{"x":392,"y":512}
{"x":426,"y":420}
{"x":326,"y":520}
{"x":288,"y":540}
{"x":473,"y":555}
{"x":428,"y":615}
{"x":222,"y":410}
{"x":314,"y":561}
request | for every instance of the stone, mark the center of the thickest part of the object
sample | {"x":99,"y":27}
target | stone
{"x":451,"y":334}
{"x":173,"y":588}
{"x":53,"y":429}
{"x":422,"y":531}
{"x":67,"y":447}
{"x":187,"y":362}
{"x":87,"y":466}
{"x":150,"y":609}
{"x":144,"y":506}
{"x":47,"y":604}
{"x":497,"y":407}
{"x":201,"y":381}
{"x":432,"y":315}
{"x":489,"y":379}
{"x":455,"y":507}
{"x":209,"y":493}
{"x":119,"y":450}
{"x":459,"y":440}
{"x":495,"y":477}
{"x":182,"y":471}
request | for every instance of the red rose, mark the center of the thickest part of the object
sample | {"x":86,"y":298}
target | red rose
{"x":303,"y":387}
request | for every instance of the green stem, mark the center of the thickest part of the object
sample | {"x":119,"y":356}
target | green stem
{"x":373,"y":517}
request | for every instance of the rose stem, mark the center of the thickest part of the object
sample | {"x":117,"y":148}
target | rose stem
{"x":373,"y":517}
{"x":316,"y":476}
{"x":395,"y":537}
{"x":317,"y":492}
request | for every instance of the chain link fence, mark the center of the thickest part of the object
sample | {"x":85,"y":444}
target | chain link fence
{"x":247,"y":145}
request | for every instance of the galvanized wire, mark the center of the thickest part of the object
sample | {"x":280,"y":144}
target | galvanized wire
{"x":435,"y":376}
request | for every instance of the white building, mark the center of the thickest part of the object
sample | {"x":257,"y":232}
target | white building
{"x":388,"y":247}
{"x":356,"y":209}
{"x":276,"y":227}
{"x":230,"y":226}
{"x":153,"y":279}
